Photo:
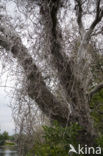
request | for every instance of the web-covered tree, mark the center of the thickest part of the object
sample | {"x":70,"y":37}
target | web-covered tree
{"x":63,"y":38}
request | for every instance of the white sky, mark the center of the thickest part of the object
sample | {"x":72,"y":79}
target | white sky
{"x":6,"y":120}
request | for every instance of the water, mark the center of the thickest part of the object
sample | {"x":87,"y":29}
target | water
{"x":8,"y":151}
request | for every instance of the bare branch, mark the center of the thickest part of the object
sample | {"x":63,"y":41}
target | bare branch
{"x":78,"y":8}
{"x":96,"y":89}
{"x":36,"y":87}
{"x":99,"y":15}
{"x":98,"y":18}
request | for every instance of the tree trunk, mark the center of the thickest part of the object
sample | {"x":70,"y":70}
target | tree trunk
{"x":71,"y":75}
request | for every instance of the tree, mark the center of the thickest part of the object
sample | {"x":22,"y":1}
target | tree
{"x":68,"y":54}
{"x":3,"y":137}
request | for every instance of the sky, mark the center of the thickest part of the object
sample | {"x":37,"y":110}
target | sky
{"x":6,"y":120}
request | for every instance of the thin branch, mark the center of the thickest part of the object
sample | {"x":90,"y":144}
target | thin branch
{"x":78,"y":8}
{"x":95,"y":89}
{"x":97,"y":33}
{"x":99,"y":15}
{"x":98,"y":18}
{"x":36,"y":88}
{"x":72,"y":86}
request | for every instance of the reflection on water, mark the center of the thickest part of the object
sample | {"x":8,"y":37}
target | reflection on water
{"x":8,"y":151}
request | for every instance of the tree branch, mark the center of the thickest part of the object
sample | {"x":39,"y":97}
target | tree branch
{"x":68,"y":79}
{"x":98,"y":18}
{"x":58,"y":60}
{"x":36,"y":88}
{"x":99,"y":15}
{"x":78,"y":8}
{"x":95,"y":89}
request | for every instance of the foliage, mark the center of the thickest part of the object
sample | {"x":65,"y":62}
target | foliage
{"x":96,"y":106}
{"x":12,"y":138}
{"x":10,"y":144}
{"x":46,"y":65}
{"x":3,"y":137}
{"x":57,"y":140}
{"x":100,"y":141}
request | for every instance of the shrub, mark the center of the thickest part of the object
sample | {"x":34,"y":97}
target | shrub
{"x":57,"y":140}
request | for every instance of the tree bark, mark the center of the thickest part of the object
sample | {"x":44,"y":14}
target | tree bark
{"x":36,"y":88}
{"x":75,"y":93}
{"x":72,"y":76}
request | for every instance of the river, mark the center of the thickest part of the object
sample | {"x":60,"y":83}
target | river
{"x":8,"y":151}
